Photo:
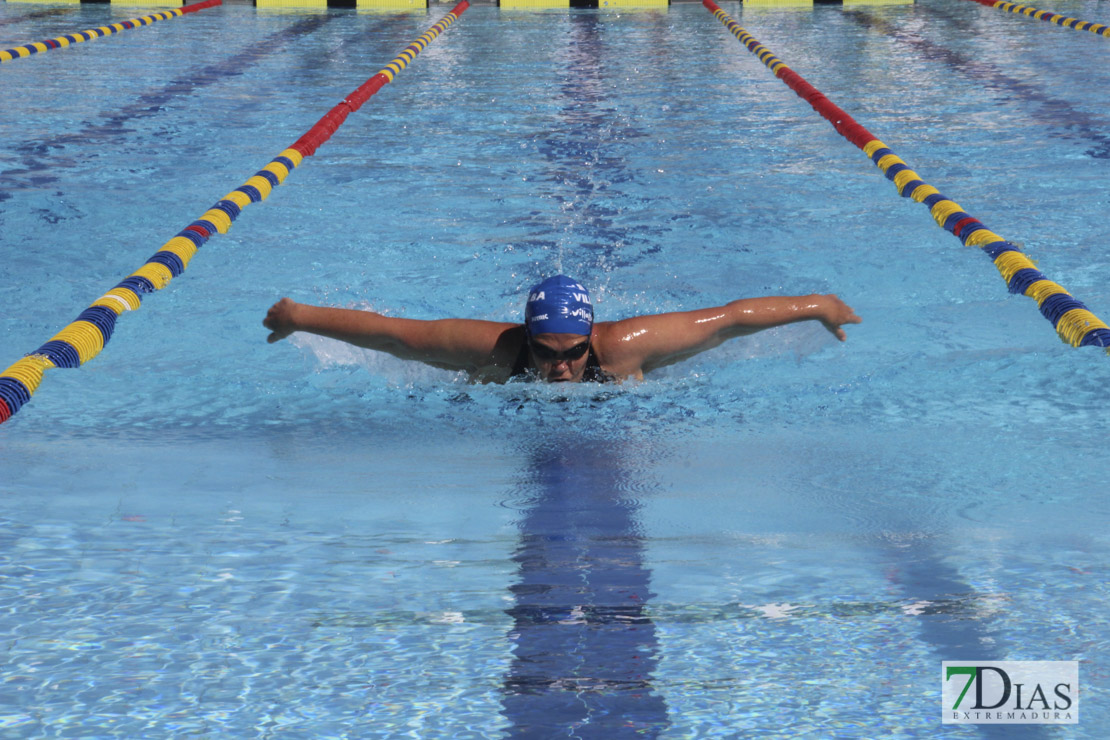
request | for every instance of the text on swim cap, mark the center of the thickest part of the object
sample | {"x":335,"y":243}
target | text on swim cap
{"x":579,"y":297}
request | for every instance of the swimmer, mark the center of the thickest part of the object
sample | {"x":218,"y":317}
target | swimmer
{"x":558,"y":341}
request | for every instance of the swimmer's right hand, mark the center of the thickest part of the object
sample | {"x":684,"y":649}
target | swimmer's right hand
{"x":279,"y":320}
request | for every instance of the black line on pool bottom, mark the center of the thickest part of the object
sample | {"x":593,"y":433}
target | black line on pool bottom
{"x":584,"y":649}
{"x":37,"y":171}
{"x":585,"y":163}
{"x":1055,"y":114}
{"x":36,"y":15}
{"x":925,"y":575}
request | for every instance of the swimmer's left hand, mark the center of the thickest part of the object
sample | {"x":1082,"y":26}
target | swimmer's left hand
{"x":835,"y":313}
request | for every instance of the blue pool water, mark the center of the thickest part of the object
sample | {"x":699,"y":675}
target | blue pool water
{"x":208,"y":536}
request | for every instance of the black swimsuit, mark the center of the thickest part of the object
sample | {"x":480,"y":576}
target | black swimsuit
{"x":592,"y":374}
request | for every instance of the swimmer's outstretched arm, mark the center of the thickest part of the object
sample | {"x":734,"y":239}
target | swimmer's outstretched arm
{"x":454,"y":344}
{"x":648,"y":342}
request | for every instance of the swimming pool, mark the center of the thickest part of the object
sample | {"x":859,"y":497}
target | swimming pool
{"x":208,"y":536}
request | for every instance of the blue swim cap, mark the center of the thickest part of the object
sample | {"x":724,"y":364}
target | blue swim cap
{"x":558,"y":305}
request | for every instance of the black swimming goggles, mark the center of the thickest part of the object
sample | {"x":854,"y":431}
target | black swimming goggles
{"x":546,"y":354}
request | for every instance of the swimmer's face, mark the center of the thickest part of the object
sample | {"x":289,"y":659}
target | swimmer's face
{"x":560,"y":358}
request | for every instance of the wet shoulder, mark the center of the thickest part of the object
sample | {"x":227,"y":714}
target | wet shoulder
{"x":615,"y":352}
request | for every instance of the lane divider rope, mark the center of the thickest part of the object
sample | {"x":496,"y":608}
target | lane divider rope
{"x":61,"y":42}
{"x":1074,"y":323}
{"x":83,"y":339}
{"x":1099,"y":29}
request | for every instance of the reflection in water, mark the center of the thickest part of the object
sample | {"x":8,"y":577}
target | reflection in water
{"x":584,"y":648}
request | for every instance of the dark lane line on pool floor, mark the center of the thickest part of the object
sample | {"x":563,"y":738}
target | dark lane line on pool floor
{"x":40,"y":160}
{"x":954,"y":617}
{"x":948,"y":623}
{"x":1054,"y":113}
{"x":584,"y":648}
{"x":582,"y":166}
{"x":37,"y":14}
